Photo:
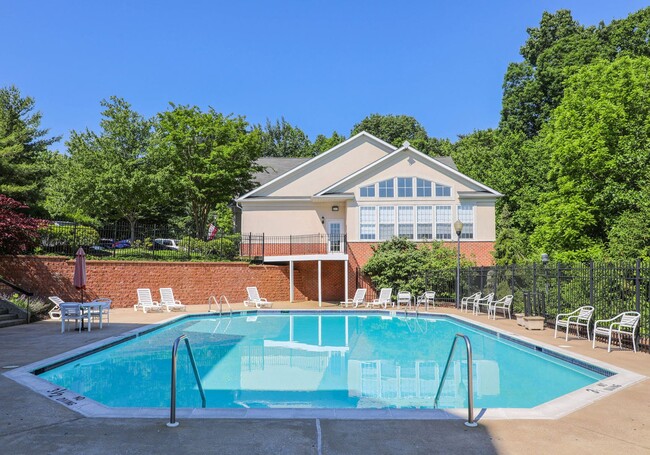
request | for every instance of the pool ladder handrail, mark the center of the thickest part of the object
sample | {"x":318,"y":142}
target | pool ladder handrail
{"x":172,"y":408}
{"x":222,"y":299}
{"x":470,"y":388}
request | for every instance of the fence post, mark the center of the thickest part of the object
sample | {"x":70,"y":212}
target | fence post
{"x":189,"y":245}
{"x":637,"y":282}
{"x":114,"y":237}
{"x":591,"y":283}
{"x":559,"y":294}
{"x":512,"y":281}
{"x":534,"y":292}
{"x":74,"y":240}
{"x":263,"y":246}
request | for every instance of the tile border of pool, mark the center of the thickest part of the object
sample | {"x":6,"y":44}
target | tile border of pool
{"x":618,"y":379}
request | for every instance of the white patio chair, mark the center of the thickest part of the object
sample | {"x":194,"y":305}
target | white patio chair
{"x":358,"y":299}
{"x":146,"y":302}
{"x":71,"y":312}
{"x":404,"y":298}
{"x":579,"y":318}
{"x":104,"y":308}
{"x":483,"y":302}
{"x":628,"y":323}
{"x":502,"y":305}
{"x":55,"y":312}
{"x":383,"y":299}
{"x":466,"y":301}
{"x":255,"y":299}
{"x":168,"y":301}
{"x":426,"y":299}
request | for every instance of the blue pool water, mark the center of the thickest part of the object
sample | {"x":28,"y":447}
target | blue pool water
{"x":321,"y":361}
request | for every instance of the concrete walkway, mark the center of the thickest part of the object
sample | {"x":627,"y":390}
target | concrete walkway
{"x":30,"y":423}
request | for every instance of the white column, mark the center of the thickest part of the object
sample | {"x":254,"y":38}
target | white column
{"x":320,"y":285}
{"x":291,"y":281}
{"x":345,"y":274}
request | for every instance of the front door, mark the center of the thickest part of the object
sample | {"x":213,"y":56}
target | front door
{"x":335,"y":236}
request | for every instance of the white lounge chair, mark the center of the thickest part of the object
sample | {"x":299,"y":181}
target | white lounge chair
{"x":625,"y":323}
{"x":358,"y":299}
{"x":404,"y":298}
{"x":579,"y":318}
{"x":426,"y":299}
{"x":72,"y":312}
{"x":383,"y":299}
{"x":466,"y":301}
{"x":146,"y":302}
{"x":55,"y":312}
{"x":483,"y":301}
{"x":168,"y":301}
{"x":502,"y":305}
{"x":255,"y":299}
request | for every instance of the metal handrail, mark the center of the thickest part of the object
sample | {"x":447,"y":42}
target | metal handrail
{"x":222,"y":299}
{"x":470,"y":388}
{"x":172,"y":408}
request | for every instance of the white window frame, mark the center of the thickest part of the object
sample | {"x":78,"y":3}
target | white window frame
{"x":386,"y":209}
{"x":424,"y":187}
{"x":429,"y":223}
{"x":445,"y":222}
{"x":466,"y":214}
{"x":368,"y":224}
{"x":401,"y":214}
{"x":441,"y":186}
{"x":391,"y":188}
{"x":367,"y":187}
{"x":405,"y":187}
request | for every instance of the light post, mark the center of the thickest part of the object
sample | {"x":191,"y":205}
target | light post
{"x":458,"y":227}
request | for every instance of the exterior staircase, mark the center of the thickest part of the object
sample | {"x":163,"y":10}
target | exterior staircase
{"x":7,"y":318}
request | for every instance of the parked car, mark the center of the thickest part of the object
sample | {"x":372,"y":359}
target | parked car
{"x":106,"y":243}
{"x":165,"y":244}
{"x":122,"y":244}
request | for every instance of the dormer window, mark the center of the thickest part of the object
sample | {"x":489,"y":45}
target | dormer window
{"x":404,"y":187}
{"x":386,"y":188}
{"x":367,"y":191}
{"x":443,"y":190}
{"x":423,"y":188}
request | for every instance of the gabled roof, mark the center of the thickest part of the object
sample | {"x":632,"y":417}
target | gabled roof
{"x":426,"y":158}
{"x":275,"y":167}
{"x":363,"y":134}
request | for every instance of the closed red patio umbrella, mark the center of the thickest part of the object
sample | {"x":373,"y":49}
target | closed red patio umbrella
{"x":79,"y":279}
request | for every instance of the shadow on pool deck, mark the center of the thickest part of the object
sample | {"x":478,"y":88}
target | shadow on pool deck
{"x":30,"y":423}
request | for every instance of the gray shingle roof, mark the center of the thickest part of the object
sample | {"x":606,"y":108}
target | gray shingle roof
{"x":275,"y":167}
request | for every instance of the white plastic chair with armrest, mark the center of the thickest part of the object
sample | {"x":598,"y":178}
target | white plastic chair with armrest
{"x":483,"y":302}
{"x":404,"y":298}
{"x":71,"y":312}
{"x":579,"y":318}
{"x":469,"y":300}
{"x":55,"y":311}
{"x":624,"y":324}
{"x":428,"y":298}
{"x":502,"y":305}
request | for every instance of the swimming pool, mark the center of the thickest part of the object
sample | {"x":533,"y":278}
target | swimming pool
{"x":328,"y":360}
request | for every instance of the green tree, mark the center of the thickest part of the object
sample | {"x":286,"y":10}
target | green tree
{"x":282,"y":139}
{"x":208,"y":158}
{"x":394,"y":129}
{"x":598,"y":140}
{"x":109,"y":175}
{"x":24,"y":155}
{"x":324,"y":143}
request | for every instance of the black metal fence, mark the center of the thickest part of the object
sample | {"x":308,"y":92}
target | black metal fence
{"x":547,"y":290}
{"x":259,"y":246}
{"x":118,"y":240}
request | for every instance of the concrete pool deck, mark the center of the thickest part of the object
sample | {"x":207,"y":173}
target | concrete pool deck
{"x":31,"y":423}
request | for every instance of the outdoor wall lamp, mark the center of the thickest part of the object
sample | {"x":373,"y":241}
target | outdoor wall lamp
{"x":544,"y":258}
{"x":335,"y":208}
{"x":322,"y":220}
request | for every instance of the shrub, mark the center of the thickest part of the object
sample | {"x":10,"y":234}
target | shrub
{"x":37,"y":306}
{"x":226,"y":247}
{"x":18,"y":232}
{"x":402,"y":265}
{"x":65,"y":238}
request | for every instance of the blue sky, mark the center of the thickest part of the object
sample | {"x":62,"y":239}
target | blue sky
{"x":323,"y":65}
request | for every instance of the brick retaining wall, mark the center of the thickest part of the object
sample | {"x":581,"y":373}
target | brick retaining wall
{"x":193,"y":282}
